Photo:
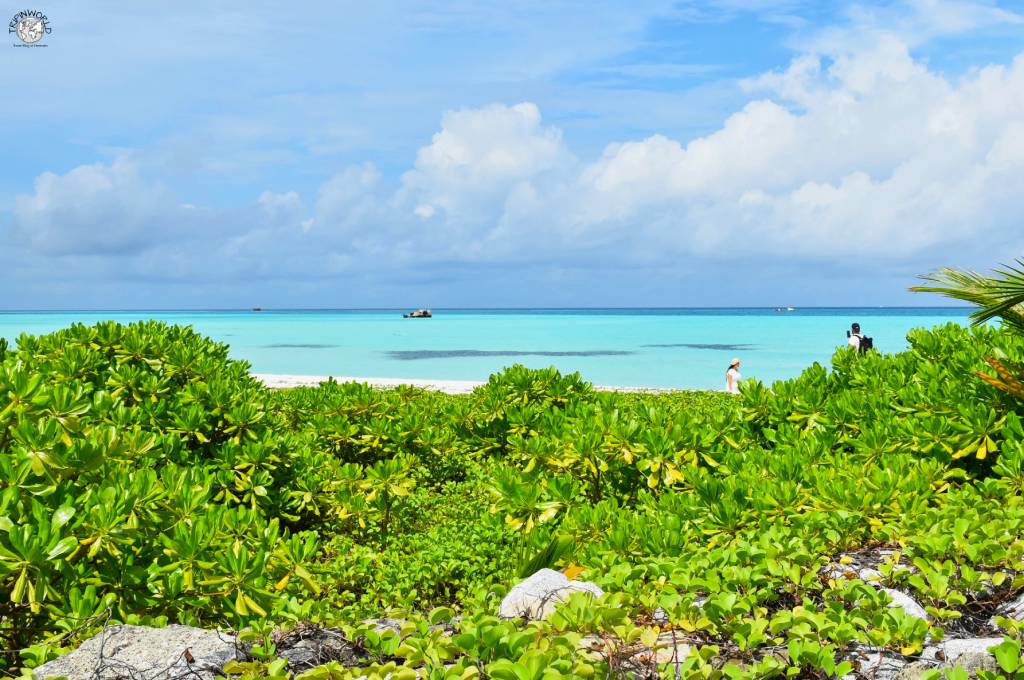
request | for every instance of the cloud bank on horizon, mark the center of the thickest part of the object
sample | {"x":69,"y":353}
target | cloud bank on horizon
{"x":880,"y":142}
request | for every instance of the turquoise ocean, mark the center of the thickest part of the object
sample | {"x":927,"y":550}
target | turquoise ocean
{"x":618,"y":347}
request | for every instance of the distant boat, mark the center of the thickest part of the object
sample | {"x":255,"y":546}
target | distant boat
{"x":418,"y":314}
{"x":257,"y":309}
{"x":785,"y":309}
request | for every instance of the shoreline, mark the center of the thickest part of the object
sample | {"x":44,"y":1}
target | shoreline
{"x":285,"y":381}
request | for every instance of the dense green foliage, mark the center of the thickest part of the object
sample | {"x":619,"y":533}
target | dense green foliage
{"x":146,"y":477}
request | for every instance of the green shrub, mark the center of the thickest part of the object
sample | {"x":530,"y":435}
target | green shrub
{"x":142,"y":477}
{"x":145,"y":477}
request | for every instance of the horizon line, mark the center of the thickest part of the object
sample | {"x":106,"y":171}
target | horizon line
{"x":468,"y":309}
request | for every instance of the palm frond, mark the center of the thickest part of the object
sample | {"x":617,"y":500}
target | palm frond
{"x":1009,"y":378}
{"x":998,"y":296}
{"x":1008,"y":289}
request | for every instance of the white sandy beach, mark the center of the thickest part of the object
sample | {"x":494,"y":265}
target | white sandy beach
{"x":281,"y":380}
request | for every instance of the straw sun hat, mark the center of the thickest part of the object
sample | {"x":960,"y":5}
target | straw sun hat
{"x":734,"y":362}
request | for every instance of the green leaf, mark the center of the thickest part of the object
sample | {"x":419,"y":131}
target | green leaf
{"x":1007,"y":654}
{"x":62,"y":516}
{"x":957,"y":673}
{"x":63,"y":547}
{"x":20,"y":587}
{"x":465,"y":641}
{"x":440,"y":615}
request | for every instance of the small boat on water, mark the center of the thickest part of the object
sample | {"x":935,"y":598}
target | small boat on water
{"x":785,"y":309}
{"x":418,"y":314}
{"x":257,"y":309}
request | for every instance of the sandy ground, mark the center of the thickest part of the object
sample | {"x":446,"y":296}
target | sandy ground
{"x":446,"y":386}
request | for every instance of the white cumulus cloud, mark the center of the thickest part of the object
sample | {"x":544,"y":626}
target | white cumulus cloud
{"x":102,"y":208}
{"x":866,"y":153}
{"x":477,"y":158}
{"x":869,"y":154}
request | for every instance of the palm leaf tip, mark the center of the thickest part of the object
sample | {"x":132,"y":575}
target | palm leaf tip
{"x":1000,"y":295}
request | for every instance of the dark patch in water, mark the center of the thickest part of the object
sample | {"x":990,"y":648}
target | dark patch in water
{"x":412,"y":355}
{"x":693,"y":345}
{"x":299,"y":346}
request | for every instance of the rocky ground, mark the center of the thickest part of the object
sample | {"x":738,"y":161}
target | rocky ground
{"x":179,"y":652}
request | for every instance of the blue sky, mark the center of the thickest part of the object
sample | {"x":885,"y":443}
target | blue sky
{"x":740,"y":152}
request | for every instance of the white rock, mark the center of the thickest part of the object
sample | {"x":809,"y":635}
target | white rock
{"x":874,"y":663}
{"x":971,"y":654}
{"x":536,"y":597}
{"x":872,"y":576}
{"x":906,"y":603}
{"x":840,"y":571}
{"x":1014,"y":609}
{"x":1011,"y":610}
{"x":954,"y":649}
{"x":144,"y":653}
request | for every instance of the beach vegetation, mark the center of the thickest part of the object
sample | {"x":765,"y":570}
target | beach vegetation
{"x":146,"y":477}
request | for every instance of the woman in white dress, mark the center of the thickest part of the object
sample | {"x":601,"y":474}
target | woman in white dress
{"x":733,"y":377}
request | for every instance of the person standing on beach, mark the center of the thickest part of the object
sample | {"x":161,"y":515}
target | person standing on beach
{"x":858,"y":340}
{"x":855,"y":336}
{"x":733,"y":377}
